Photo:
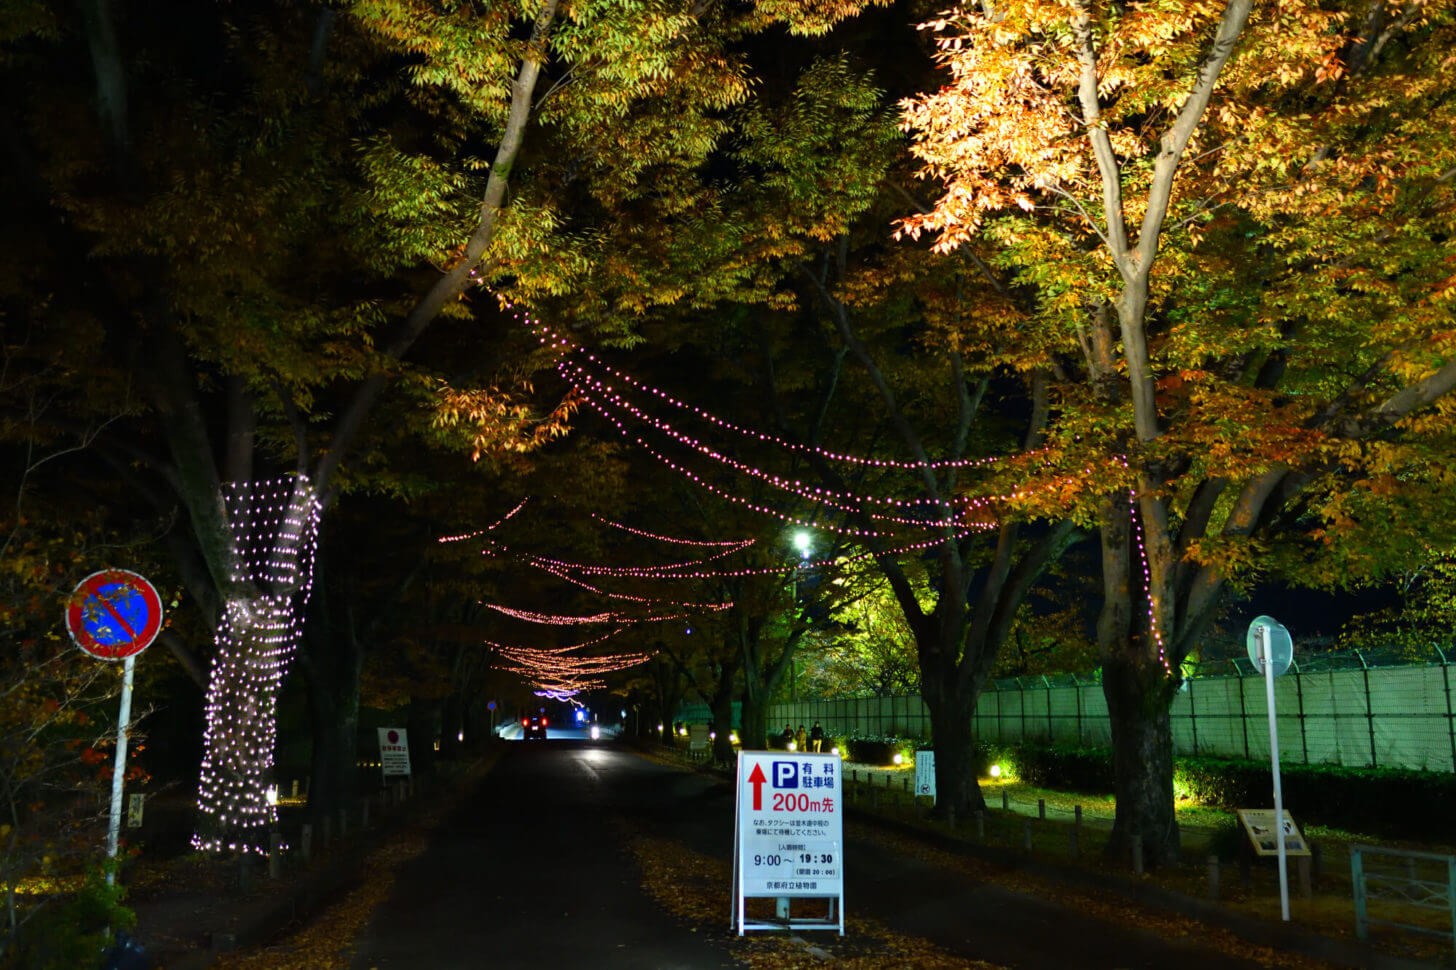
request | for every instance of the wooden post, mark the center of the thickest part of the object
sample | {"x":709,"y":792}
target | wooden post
{"x":1306,"y":884}
{"x":295,"y":788}
{"x":1076,"y":831}
{"x":1041,"y":808}
{"x":326,"y":831}
{"x":980,"y":826}
{"x":1211,"y":864}
{"x":1026,"y":834}
{"x":1005,"y":801}
{"x":305,"y":842}
{"x":1137,"y":854}
{"x":275,"y":856}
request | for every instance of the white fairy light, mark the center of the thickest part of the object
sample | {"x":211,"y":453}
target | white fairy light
{"x":274,"y":527}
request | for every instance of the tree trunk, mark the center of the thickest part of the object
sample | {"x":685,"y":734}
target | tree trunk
{"x":334,"y":711}
{"x":1139,"y":694}
{"x":753,"y":718}
{"x":422,"y":720}
{"x":721,"y":704}
{"x":955,"y":762}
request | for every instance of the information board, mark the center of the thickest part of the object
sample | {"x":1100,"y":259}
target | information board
{"x":394,"y":752}
{"x":925,"y":774}
{"x":1259,"y":827}
{"x":789,"y":835}
{"x":697,"y":737}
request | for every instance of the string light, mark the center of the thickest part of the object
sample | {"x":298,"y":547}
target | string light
{"x":736,"y":543}
{"x":557,"y":340}
{"x":274,"y":531}
{"x":555,"y":619}
{"x":490,"y":528}
{"x":842,"y":501}
{"x":1153,"y":629}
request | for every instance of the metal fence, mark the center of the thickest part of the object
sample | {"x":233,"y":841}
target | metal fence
{"x":1335,"y":708}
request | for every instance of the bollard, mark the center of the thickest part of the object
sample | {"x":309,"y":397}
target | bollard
{"x":245,"y":871}
{"x":1137,"y":854}
{"x":1026,"y":834}
{"x":1211,"y":865}
{"x":295,"y":788}
{"x":1306,"y":884}
{"x":980,"y":826}
{"x":343,"y":823}
{"x":305,"y":842}
{"x":1076,"y":831}
{"x":1041,"y":808}
{"x":275,"y":856}
{"x":1005,"y":801}
{"x":854,"y":775}
{"x":326,"y":831}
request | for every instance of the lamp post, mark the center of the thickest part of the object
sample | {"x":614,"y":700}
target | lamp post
{"x":803,"y":542}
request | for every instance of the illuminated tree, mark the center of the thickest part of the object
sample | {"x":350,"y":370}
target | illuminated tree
{"x":1228,"y":220}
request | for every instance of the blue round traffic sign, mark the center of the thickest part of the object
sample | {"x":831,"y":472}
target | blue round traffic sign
{"x":114,"y":614}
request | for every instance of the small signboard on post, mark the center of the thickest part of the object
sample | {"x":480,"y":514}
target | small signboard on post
{"x":1259,"y":827}
{"x":925,"y":774}
{"x":394,"y":752}
{"x":115,"y":614}
{"x":697,"y":738}
{"x":788,"y":836}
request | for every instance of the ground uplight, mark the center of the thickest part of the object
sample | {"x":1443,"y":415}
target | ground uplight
{"x":995,"y":771}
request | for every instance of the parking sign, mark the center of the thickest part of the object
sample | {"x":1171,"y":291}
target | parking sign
{"x":789,"y":834}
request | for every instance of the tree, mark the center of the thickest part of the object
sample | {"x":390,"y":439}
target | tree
{"x":1229,"y":222}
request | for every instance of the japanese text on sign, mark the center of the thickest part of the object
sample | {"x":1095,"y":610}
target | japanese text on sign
{"x":791,"y":824}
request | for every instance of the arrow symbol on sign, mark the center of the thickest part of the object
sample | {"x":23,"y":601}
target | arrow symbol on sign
{"x":756,"y":779}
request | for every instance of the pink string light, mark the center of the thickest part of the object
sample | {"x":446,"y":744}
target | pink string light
{"x":735,"y":543}
{"x":842,"y":501}
{"x":490,"y":528}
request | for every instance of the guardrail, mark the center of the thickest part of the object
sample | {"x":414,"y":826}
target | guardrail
{"x":1421,"y":880}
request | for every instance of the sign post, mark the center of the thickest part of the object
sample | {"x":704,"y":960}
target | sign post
{"x":394,"y":756}
{"x":113,"y":615}
{"x":788,"y":837}
{"x":1271,"y":648}
{"x":925,"y":774}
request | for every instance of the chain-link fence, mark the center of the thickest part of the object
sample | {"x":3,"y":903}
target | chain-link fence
{"x":1357,"y":708}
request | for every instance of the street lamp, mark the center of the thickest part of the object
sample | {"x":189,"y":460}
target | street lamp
{"x":803,"y":541}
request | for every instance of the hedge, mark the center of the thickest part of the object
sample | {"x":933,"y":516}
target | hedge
{"x":1378,"y":801}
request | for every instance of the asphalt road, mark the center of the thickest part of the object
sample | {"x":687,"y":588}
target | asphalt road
{"x":528,"y":873}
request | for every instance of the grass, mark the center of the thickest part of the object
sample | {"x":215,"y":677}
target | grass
{"x":1252,"y":890}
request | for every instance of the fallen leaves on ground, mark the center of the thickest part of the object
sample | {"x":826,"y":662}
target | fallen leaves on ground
{"x":693,"y":887}
{"x":1108,"y":909}
{"x":327,"y":942}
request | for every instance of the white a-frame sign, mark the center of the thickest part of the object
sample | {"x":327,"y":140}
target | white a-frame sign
{"x":788,"y":837}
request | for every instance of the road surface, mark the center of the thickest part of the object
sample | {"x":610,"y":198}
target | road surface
{"x":529,"y":872}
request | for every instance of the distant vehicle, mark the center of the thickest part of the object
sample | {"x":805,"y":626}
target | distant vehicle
{"x":534,"y":727}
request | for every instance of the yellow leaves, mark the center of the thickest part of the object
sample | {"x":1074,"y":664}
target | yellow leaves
{"x":500,"y":422}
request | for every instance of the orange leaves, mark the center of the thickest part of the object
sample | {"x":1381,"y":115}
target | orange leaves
{"x":500,"y":422}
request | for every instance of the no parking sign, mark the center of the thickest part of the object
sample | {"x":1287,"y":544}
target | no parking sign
{"x":114,"y":614}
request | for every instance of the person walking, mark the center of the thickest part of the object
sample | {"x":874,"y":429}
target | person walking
{"x":787,"y":735}
{"x":816,"y":737}
{"x":801,"y":740}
